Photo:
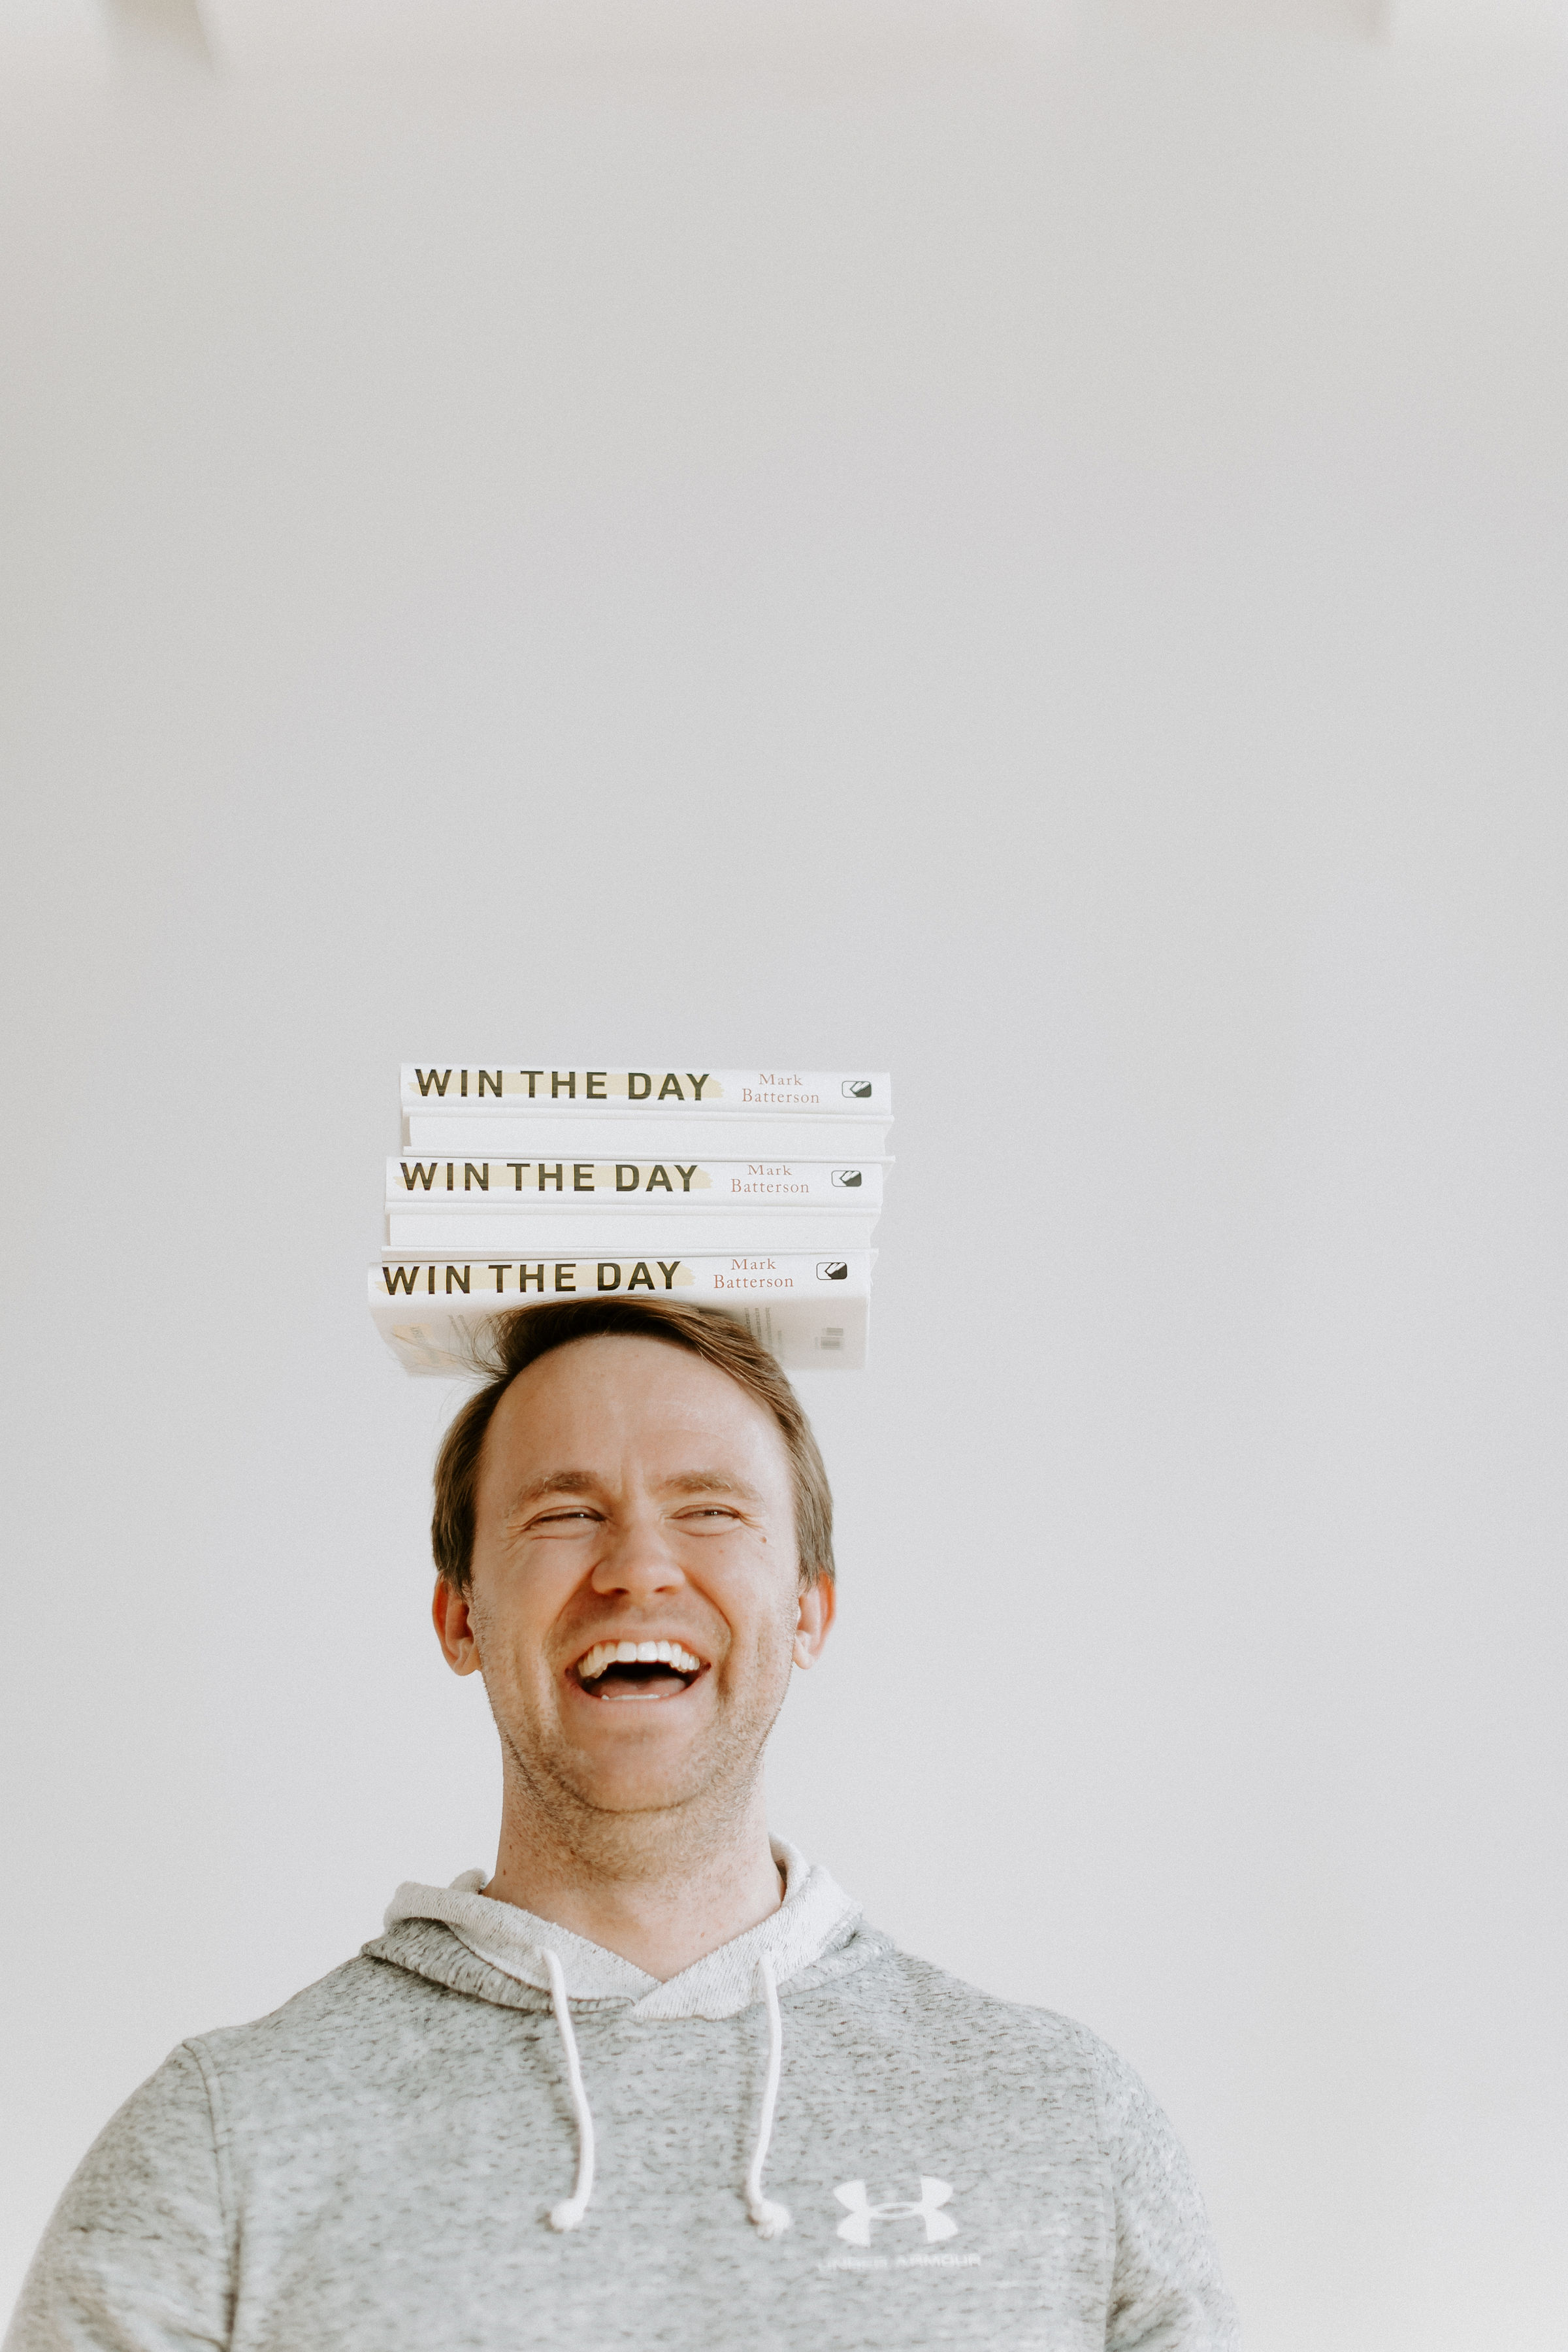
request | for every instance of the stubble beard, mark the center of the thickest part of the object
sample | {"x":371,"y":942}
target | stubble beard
{"x":685,"y":1822}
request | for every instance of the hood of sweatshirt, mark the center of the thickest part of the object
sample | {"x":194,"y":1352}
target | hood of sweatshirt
{"x":816,"y":1923}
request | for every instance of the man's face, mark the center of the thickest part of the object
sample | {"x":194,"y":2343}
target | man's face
{"x":630,"y":1493}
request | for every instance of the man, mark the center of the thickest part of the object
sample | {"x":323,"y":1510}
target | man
{"x":654,"y":2082}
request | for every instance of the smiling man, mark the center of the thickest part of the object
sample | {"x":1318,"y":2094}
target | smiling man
{"x":654,"y":2080}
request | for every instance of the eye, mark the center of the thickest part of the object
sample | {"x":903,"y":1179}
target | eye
{"x":558,"y":1518}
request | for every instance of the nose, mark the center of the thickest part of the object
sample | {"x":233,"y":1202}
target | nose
{"x":637,"y":1559}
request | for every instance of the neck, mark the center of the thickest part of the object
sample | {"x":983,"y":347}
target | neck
{"x":662,"y":1889}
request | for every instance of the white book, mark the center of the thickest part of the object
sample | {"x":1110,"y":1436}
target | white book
{"x":783,"y":1091}
{"x":556,"y":1185}
{"x":811,"y":1312}
{"x":616,"y":1134}
{"x":503,"y":1233}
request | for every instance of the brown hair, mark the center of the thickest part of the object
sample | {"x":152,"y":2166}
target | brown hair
{"x":514,"y":1341}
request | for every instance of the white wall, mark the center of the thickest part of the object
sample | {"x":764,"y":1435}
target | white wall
{"x":1044,"y":570}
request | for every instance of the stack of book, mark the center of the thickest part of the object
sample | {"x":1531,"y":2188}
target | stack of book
{"x":752,"y":1190}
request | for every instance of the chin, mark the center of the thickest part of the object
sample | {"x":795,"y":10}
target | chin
{"x":639,"y":1776}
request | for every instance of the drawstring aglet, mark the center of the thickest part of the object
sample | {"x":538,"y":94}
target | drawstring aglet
{"x":771,"y":2220}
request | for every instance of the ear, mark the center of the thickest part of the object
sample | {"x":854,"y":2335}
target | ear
{"x":454,"y":1628}
{"x":818,"y":1603}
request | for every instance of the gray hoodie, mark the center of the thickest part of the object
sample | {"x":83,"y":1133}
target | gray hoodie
{"x":486,"y":2132}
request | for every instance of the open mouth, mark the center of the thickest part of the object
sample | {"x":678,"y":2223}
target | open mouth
{"x":615,"y":1670}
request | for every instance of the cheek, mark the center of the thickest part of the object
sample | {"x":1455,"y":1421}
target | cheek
{"x":507,"y":1629}
{"x":771,"y":1635}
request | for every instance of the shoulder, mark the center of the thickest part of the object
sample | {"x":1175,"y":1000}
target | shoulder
{"x":357,"y":2010}
{"x":913,"y":2001}
{"x":1058,"y":2055}
{"x":384,"y":2028}
{"x":154,"y":2135}
{"x":918,"y":1988}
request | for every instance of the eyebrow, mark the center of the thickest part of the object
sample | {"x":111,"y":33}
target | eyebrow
{"x":555,"y":1482}
{"x":711,"y":1482}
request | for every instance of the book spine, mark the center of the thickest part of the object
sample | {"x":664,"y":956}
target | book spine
{"x":436,"y":1086}
{"x":699,"y":1279}
{"x":812,"y":1312}
{"x":431,"y":1185}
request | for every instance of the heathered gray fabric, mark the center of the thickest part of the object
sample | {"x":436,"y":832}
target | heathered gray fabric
{"x":370,"y":2168}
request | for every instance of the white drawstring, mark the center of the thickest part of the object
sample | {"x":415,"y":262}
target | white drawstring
{"x":772,"y":2221}
{"x":571,"y":2209}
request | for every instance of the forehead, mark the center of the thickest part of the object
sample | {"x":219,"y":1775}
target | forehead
{"x":619,"y":1405}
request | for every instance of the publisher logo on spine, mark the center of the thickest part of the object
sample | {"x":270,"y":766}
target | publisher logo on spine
{"x":849,"y":1176}
{"x":832,"y":1269}
{"x":857,"y":1089}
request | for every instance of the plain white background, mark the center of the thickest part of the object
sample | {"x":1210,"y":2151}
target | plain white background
{"x":1035,"y":562}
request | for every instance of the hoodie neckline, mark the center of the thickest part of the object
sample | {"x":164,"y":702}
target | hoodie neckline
{"x":815,"y":1914}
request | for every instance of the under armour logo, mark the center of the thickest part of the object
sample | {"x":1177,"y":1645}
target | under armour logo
{"x":856,"y":2225}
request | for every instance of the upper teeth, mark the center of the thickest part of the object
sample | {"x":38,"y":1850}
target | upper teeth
{"x":636,"y":1653}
